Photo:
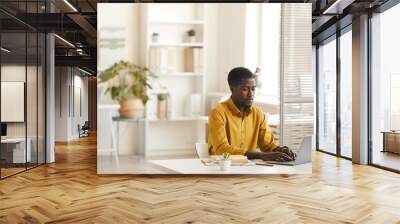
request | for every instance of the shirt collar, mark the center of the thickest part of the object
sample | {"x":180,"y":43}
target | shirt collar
{"x":235,"y":110}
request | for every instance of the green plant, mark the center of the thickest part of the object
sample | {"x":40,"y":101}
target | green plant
{"x":162,"y":96}
{"x":226,"y":156}
{"x":126,"y":81}
{"x":191,"y":32}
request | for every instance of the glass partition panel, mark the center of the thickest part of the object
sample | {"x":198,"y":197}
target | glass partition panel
{"x":14,"y":153}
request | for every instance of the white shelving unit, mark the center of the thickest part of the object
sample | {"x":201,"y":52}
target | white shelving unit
{"x":176,"y":44}
{"x":181,"y":74}
{"x":177,"y":75}
{"x":177,"y":22}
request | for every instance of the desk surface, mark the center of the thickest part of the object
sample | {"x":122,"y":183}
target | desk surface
{"x":195,"y":166}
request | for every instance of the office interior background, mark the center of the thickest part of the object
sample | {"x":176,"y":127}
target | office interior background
{"x":227,"y":36}
{"x":332,"y":57}
{"x":39,"y":108}
{"x":48,"y":77}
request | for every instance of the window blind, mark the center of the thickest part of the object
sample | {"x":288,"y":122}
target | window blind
{"x":296,"y":83}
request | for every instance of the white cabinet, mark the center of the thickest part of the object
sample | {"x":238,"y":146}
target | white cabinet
{"x":19,"y":155}
{"x":178,"y":61}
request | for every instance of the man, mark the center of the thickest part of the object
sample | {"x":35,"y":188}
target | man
{"x":237,"y":127}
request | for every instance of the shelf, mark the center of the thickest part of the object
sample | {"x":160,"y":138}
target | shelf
{"x":176,"y":44}
{"x":179,"y":119}
{"x":181,"y":74}
{"x":125,"y":119}
{"x":178,"y":22}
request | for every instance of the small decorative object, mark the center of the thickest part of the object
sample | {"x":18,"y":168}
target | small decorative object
{"x":191,"y":35}
{"x":154,"y":37}
{"x":258,"y":77}
{"x":162,"y":106}
{"x":128,"y":83}
{"x":225,"y":162}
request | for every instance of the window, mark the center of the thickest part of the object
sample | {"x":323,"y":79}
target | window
{"x":385,"y":87}
{"x":346,"y":93}
{"x":327,"y":95}
{"x":22,"y":74}
{"x":262,"y":48}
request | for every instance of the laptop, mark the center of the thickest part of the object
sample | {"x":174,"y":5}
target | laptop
{"x":303,"y":154}
{"x":3,"y":131}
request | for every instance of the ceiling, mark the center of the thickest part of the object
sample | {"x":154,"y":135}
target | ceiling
{"x":76,"y":22}
{"x":332,"y":15}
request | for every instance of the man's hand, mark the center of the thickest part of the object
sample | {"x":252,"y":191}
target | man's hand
{"x":288,"y":155}
{"x":281,"y":154}
{"x":276,"y":156}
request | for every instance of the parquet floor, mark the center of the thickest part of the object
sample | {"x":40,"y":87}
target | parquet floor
{"x":70,"y":191}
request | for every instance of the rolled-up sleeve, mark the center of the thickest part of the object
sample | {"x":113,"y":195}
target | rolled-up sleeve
{"x":266,"y":140}
{"x":217,"y":139}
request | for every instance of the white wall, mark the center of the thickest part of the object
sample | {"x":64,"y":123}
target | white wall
{"x":117,"y":21}
{"x":34,"y":124}
{"x":211,"y":38}
{"x":66,"y":121}
{"x":62,"y":82}
{"x":231,"y":41}
{"x":122,"y":21}
{"x":80,"y":83}
{"x":15,"y":73}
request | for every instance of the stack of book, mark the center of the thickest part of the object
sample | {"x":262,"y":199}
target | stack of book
{"x":167,"y":60}
{"x":159,"y":60}
{"x":194,"y":60}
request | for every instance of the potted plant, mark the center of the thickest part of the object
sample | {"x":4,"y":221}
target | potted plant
{"x":225,"y":162}
{"x":162,"y":105}
{"x":154,"y":37}
{"x":128,"y":84}
{"x":191,"y":35}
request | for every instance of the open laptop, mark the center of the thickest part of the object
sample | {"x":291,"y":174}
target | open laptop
{"x":303,"y":154}
{"x":3,"y":131}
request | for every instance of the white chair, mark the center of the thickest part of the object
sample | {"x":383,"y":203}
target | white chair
{"x":202,"y":150}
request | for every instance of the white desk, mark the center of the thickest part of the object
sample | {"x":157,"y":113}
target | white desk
{"x":195,"y":166}
{"x":19,"y":149}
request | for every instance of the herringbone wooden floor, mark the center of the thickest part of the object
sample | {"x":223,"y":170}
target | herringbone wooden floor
{"x":70,"y":191}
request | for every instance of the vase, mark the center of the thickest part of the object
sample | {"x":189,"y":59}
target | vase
{"x":133,"y":108}
{"x":225,"y":165}
{"x":154,"y":38}
{"x":162,"y":109}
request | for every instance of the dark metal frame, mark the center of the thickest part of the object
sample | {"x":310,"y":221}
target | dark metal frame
{"x":338,"y":98}
{"x":37,"y":97}
{"x":340,"y":31}
{"x":0,"y":92}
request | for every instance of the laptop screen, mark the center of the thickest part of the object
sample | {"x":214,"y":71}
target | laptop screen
{"x":3,"y":129}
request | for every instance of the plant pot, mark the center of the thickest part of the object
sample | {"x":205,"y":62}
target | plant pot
{"x":162,"y":109}
{"x":131,"y":108}
{"x":225,"y":165}
{"x":154,"y":38}
{"x":192,"y":39}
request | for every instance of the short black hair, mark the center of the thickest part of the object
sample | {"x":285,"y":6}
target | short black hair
{"x":237,"y":74}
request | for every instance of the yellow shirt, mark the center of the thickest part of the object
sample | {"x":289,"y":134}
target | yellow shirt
{"x":230,"y":131}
